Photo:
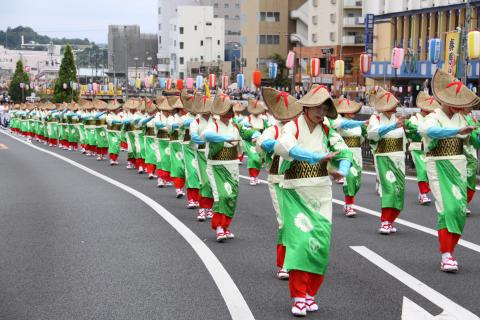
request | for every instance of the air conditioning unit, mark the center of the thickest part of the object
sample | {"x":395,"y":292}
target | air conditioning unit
{"x":332,"y":36}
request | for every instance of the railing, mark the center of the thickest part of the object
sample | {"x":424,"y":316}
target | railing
{"x":352,"y":21}
{"x":352,"y":3}
{"x":353,"y":40}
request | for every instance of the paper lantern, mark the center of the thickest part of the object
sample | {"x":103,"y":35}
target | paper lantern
{"x":290,"y":60}
{"x":64,"y":86}
{"x":110,"y":86}
{"x":212,"y":80}
{"x":314,"y":67}
{"x":473,"y":45}
{"x":225,"y":82}
{"x":397,"y":57}
{"x":365,"y":63}
{"x":146,"y":82}
{"x":138,"y":83}
{"x":199,"y":82}
{"x":257,"y":78}
{"x":168,"y":84}
{"x":95,"y":87}
{"x":189,"y":83}
{"x":179,"y":84}
{"x":272,"y":70}
{"x":339,"y":69}
{"x":162,"y":82}
{"x":434,"y":50}
{"x":240,"y":81}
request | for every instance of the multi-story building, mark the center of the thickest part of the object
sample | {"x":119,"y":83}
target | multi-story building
{"x":230,"y":11}
{"x":127,"y":47}
{"x":197,"y":38}
{"x":167,"y":9}
{"x":265,"y":31}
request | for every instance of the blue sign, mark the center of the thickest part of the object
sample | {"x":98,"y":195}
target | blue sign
{"x":369,"y":34}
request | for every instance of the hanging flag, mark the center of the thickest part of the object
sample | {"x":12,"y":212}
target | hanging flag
{"x":452,"y":50}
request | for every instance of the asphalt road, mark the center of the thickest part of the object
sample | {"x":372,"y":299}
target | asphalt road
{"x":73,"y":246}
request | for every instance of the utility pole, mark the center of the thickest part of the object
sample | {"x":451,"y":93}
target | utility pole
{"x":126,"y":62}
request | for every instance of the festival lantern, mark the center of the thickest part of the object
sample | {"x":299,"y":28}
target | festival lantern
{"x":212,"y":80}
{"x":168,"y":84}
{"x":397,"y":57}
{"x":240,"y":81}
{"x":473,"y":44}
{"x":179,"y":84}
{"x":110,"y":86}
{"x":257,"y":78}
{"x":434,"y":50}
{"x":339,"y":69}
{"x":199,"y":82}
{"x":189,"y":83}
{"x":272,"y":70}
{"x":225,"y":82}
{"x":64,"y":86}
{"x":290,"y":59}
{"x":162,"y":82}
{"x":146,"y":82}
{"x":365,"y":63}
{"x":314,"y":67}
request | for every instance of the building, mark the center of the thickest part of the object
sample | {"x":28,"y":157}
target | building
{"x":230,"y":11}
{"x":330,"y":30}
{"x":411,"y":27}
{"x":265,"y":31}
{"x":197,"y":37}
{"x":167,"y":9}
{"x":127,"y":47}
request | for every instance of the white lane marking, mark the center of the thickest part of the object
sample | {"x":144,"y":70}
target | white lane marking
{"x":464,"y":243}
{"x":451,"y":309}
{"x":234,"y":300}
{"x":407,"y":178}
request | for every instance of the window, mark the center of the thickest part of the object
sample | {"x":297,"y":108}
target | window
{"x":348,"y":65}
{"x":201,"y":42}
{"x":215,"y":15}
{"x":218,"y":56}
{"x":314,"y":37}
{"x":159,"y":26}
{"x":195,"y":28}
{"x":181,"y":45}
{"x":270,"y":16}
{"x":237,"y":5}
{"x":237,"y":17}
{"x":226,"y":17}
{"x":268,"y":39}
{"x":333,"y":17}
{"x":181,"y":30}
{"x":181,"y":75}
{"x":208,"y":23}
{"x":226,"y":6}
{"x":182,"y":60}
{"x":215,"y":5}
{"x":159,"y":10}
{"x":160,"y":39}
{"x":315,"y":3}
{"x":201,"y":57}
{"x":315,"y":19}
{"x":218,"y":42}
{"x":332,"y":36}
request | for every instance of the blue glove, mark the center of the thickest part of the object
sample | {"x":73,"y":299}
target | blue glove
{"x":137,"y":120}
{"x":100,"y":114}
{"x":300,"y":154}
{"x":147,"y":120}
{"x":213,"y":137}
{"x":187,"y":123}
{"x":116,"y":122}
{"x":126,"y":122}
{"x":256,"y":134}
{"x":196,"y":139}
{"x":246,"y":124}
{"x":350,"y":124}
{"x":159,"y":125}
{"x":344,"y":167}
{"x":383,"y":130}
{"x":268,"y":145}
{"x":175,"y":126}
{"x":439,"y":133}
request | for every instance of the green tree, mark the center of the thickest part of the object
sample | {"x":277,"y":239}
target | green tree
{"x":282,"y":72}
{"x":19,"y":77}
{"x":67,"y":75}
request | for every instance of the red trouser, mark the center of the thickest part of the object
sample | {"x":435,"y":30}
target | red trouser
{"x":349,"y":200}
{"x":220,"y":220}
{"x":151,"y":168}
{"x":389,"y":214}
{"x":423,"y":187}
{"x":281,"y":251}
{"x":447,"y":240}
{"x":302,"y":283}
{"x":74,"y":145}
{"x":102,"y":151}
{"x":139,"y":162}
{"x":123,"y":145}
{"x":193,"y":194}
{"x":113,"y":156}
{"x":91,"y":148}
{"x":178,"y":183}
{"x":165,"y":175}
{"x":240,"y":157}
{"x":53,"y":141}
{"x":206,"y":203}
{"x":470,"y":194}
{"x":253,"y":172}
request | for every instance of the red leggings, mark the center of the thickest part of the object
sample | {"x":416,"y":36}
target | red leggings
{"x":102,"y":151}
{"x":253,"y":172}
{"x":139,"y":162}
{"x":91,"y":148}
{"x":113,"y":156}
{"x":178,"y":183}
{"x":151,"y":168}
{"x":165,"y":175}
{"x":389,"y":214}
{"x":447,"y":240}
{"x":302,"y":283}
{"x":206,"y":203}
{"x":123,"y":145}
{"x":193,"y":194}
{"x":220,"y":220}
{"x":53,"y":141}
{"x":470,"y":194}
{"x":423,"y":187}
{"x":349,"y":200}
{"x":281,"y":251}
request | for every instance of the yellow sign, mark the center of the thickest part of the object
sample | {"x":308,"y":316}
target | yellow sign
{"x":452,"y":50}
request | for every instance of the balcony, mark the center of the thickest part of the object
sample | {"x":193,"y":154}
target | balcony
{"x":353,"y":40}
{"x":353,"y":22}
{"x":352,"y":4}
{"x":295,"y":37}
{"x":301,"y":15}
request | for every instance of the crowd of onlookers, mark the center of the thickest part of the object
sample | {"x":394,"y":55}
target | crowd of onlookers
{"x":4,"y":116}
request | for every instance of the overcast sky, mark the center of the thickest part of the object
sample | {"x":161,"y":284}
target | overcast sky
{"x":78,"y":19}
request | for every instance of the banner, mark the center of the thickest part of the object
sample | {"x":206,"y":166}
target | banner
{"x":452,"y":50}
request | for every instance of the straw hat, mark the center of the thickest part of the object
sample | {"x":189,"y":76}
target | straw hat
{"x":113,"y":105}
{"x":174,"y":102}
{"x":345,"y":105}
{"x":187,"y":100}
{"x":450,"y":91}
{"x":282,"y":105}
{"x":426,"y":102}
{"x":221,"y":104}
{"x":238,"y":107}
{"x":73,"y":106}
{"x":150,"y":106}
{"x":202,"y":104}
{"x":385,"y":101}
{"x":50,"y":106}
{"x":316,"y":96}
{"x":163,"y":106}
{"x":141,"y":105}
{"x":131,"y":104}
{"x":99,"y":104}
{"x":256,"y":106}
{"x":159,"y":100}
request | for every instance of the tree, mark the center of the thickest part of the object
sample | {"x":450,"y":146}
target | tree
{"x":67,"y":75}
{"x":19,"y":77}
{"x":282,"y":72}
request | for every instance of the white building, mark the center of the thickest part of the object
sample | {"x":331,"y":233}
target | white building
{"x":167,"y":9}
{"x":378,"y":7}
{"x":197,"y":37}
